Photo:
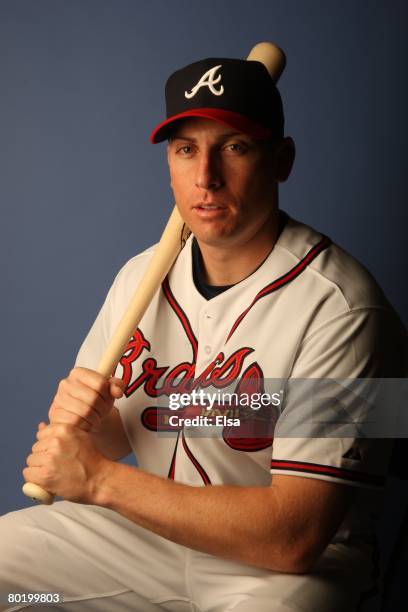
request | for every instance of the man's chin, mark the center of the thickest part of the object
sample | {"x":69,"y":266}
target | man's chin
{"x":212,"y":237}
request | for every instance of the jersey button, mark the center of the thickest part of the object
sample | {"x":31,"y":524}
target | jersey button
{"x":207,"y":349}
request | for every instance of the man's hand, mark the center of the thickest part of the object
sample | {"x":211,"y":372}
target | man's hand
{"x":65,"y":462}
{"x":84,"y":399}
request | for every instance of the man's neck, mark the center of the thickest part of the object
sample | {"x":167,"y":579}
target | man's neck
{"x":228,"y":266}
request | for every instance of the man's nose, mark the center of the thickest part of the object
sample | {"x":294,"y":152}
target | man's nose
{"x":208,"y":172}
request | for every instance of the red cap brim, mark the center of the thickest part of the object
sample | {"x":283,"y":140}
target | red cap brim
{"x":230,"y":118}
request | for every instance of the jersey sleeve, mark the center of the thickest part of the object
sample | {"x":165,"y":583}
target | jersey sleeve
{"x":311,"y":438}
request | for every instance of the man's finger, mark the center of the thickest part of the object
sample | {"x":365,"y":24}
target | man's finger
{"x":39,"y":446}
{"x":36,"y":459}
{"x":84,"y":391}
{"x":68,"y":417}
{"x":77,"y":407}
{"x":93,"y":380}
{"x":55,"y":429}
{"x":35,"y":475}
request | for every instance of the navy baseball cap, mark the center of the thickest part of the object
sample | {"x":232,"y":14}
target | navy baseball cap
{"x":238,"y":93}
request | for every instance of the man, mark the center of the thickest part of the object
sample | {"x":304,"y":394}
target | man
{"x":252,"y":518}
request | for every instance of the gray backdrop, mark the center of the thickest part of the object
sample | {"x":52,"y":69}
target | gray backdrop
{"x":82,"y":190}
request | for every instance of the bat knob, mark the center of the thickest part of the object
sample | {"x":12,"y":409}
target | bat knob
{"x":38,"y":494}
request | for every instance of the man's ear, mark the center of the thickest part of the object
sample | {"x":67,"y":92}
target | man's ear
{"x":285,"y":153}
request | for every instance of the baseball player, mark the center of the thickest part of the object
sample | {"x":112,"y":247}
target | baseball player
{"x":246,"y":513}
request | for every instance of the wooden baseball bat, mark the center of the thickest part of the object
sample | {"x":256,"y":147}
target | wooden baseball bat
{"x":171,"y":242}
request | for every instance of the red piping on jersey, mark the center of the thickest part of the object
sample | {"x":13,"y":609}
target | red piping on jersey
{"x":286,"y":278}
{"x":198,"y":467}
{"x":181,"y":316}
{"x":172,"y":469}
{"x":326,"y":470}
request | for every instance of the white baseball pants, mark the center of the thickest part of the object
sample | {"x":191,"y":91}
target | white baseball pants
{"x":101,"y":562}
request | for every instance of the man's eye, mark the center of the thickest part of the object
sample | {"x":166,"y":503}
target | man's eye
{"x":185,"y":150}
{"x":235,"y":147}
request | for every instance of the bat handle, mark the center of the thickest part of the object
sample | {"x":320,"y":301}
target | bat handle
{"x":38,"y":494}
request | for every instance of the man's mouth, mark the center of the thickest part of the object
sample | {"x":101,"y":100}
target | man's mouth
{"x":203,"y":206}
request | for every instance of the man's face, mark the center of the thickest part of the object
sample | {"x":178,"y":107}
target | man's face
{"x":223,"y":182}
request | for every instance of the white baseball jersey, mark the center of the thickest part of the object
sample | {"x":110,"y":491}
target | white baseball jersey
{"x":309,"y":311}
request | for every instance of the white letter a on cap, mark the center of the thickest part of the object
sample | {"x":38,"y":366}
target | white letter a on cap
{"x":207,"y":80}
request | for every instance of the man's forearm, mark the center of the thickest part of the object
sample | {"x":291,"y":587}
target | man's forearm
{"x":240,"y":523}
